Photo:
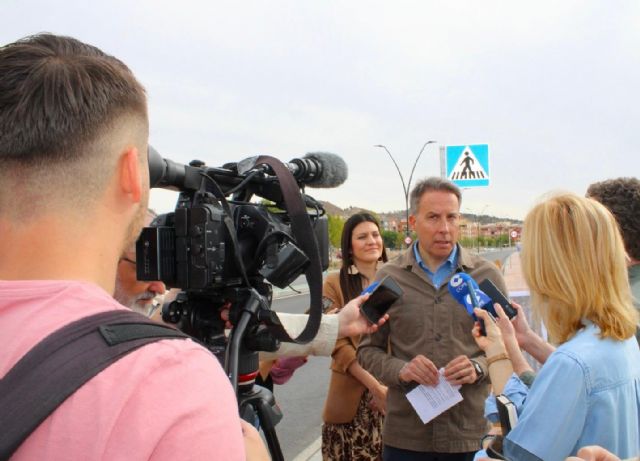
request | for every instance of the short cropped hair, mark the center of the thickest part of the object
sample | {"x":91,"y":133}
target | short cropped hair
{"x":622,"y":197}
{"x":432,"y":184}
{"x":59,"y":97}
{"x":573,"y":260}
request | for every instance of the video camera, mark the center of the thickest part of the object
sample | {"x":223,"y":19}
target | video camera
{"x":221,"y":249}
{"x":193,"y":248}
{"x":218,"y":249}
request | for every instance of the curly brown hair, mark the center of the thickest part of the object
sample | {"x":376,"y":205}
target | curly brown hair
{"x":622,"y":197}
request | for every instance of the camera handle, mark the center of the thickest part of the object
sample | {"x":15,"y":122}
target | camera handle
{"x":249,"y":311}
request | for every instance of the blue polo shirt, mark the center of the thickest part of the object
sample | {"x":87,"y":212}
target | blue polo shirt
{"x":444,"y":271}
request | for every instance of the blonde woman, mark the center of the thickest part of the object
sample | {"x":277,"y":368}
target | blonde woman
{"x":588,"y":390}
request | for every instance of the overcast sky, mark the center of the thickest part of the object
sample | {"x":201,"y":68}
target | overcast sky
{"x":551,"y":86}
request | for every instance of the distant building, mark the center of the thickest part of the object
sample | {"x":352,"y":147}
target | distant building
{"x":471,"y":226}
{"x":474,"y":229}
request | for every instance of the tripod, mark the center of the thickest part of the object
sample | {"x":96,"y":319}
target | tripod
{"x":237,"y":354}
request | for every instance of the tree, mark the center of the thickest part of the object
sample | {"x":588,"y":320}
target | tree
{"x":502,"y":240}
{"x":468,"y":242}
{"x":391,"y":239}
{"x":336,"y":224}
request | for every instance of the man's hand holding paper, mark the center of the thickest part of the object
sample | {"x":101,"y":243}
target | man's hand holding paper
{"x":432,"y":400}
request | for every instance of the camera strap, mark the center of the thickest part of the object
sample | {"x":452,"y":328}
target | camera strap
{"x":64,"y":361}
{"x":305,"y":238}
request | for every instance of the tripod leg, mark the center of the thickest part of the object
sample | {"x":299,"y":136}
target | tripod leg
{"x":269,"y":430}
{"x":258,"y":401}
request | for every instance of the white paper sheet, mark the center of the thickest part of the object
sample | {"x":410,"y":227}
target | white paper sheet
{"x":431,"y":401}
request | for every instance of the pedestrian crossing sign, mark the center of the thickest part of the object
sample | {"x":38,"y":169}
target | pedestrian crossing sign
{"x":468,"y":166}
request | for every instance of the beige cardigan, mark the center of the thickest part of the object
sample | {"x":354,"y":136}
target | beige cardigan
{"x":345,"y":391}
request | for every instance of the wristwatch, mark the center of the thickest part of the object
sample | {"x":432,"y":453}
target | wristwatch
{"x":479,"y":372}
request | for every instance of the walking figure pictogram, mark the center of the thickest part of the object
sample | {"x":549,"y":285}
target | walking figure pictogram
{"x":467,"y":162}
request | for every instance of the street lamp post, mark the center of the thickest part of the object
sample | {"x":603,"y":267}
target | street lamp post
{"x":405,"y":187}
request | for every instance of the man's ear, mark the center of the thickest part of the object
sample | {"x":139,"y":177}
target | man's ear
{"x":412,"y":221}
{"x":129,"y":173}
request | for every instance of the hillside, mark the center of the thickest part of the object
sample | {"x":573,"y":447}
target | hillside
{"x":400,"y":214}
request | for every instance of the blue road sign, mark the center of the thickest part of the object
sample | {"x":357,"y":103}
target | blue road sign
{"x":468,"y":166}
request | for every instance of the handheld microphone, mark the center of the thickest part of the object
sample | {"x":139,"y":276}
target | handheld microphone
{"x":465,"y":290}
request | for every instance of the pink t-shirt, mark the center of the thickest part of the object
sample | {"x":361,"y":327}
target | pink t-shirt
{"x":168,"y":400}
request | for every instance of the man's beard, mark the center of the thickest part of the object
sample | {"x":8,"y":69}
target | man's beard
{"x":135,"y":302}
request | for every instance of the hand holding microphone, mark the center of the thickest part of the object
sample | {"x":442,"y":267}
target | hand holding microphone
{"x":491,"y":342}
{"x":486,"y":296}
{"x":465,"y":290}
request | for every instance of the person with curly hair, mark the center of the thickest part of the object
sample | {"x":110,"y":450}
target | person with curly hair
{"x":622,"y":197}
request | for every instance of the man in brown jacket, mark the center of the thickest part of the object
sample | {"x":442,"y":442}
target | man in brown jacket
{"x":428,"y":330}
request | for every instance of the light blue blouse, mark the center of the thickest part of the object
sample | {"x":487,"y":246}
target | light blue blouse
{"x":587,"y":393}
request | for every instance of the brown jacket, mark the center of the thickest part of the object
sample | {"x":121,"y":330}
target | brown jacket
{"x":345,"y":391}
{"x":429,"y":322}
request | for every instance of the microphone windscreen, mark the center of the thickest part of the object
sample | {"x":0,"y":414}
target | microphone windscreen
{"x":333,"y":170}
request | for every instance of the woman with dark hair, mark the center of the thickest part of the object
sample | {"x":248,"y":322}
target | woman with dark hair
{"x":354,"y":409}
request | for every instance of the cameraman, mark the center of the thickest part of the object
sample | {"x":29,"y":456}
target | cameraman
{"x":74,"y":187}
{"x":144,"y":297}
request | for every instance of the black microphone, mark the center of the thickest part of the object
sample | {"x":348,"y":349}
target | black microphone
{"x":315,"y":169}
{"x":319,"y":169}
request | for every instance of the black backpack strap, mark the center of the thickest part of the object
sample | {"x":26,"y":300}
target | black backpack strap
{"x":62,"y":362}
